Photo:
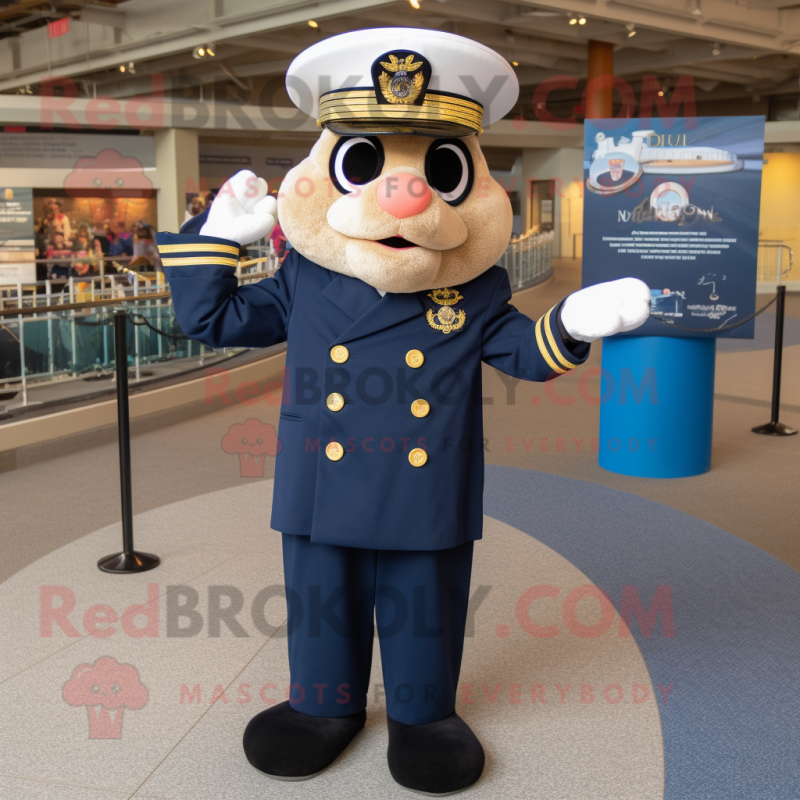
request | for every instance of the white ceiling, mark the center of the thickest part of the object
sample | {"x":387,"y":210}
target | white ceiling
{"x":735,"y":52}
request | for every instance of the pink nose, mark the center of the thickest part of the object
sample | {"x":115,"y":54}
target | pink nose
{"x":403,"y":195}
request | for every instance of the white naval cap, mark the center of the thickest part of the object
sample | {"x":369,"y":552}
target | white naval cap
{"x":402,"y":80}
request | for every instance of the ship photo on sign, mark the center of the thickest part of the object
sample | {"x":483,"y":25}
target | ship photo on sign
{"x":615,"y":167}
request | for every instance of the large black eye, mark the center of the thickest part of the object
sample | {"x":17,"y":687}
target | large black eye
{"x":449,"y":170}
{"x":355,"y":161}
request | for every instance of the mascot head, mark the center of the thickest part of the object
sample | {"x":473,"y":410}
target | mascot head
{"x":396,"y":191}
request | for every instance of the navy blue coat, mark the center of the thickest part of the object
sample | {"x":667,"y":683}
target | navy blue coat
{"x":372,"y":497}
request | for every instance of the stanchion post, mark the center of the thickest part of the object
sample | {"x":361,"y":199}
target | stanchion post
{"x":774,"y":427}
{"x":128,"y":561}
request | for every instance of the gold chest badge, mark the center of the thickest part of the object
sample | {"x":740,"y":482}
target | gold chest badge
{"x":446,"y":318}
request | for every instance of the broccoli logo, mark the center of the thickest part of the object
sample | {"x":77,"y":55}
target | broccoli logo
{"x":252,"y":441}
{"x":106,"y":688}
{"x":121,"y":176}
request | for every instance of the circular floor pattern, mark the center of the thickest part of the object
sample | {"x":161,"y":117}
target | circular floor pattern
{"x":589,"y":712}
{"x":568,"y":717}
{"x":731,"y":726}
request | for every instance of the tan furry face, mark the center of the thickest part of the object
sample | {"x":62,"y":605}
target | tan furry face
{"x":440,"y":243}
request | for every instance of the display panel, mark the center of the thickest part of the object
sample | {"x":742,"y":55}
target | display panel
{"x":676,"y":203}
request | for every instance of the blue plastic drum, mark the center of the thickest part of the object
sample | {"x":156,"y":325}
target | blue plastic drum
{"x":657,"y":406}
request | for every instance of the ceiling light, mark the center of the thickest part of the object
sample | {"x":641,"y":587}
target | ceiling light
{"x":582,"y":21}
{"x":122,"y":68}
{"x":715,"y":49}
{"x":414,"y":3}
{"x":515,"y":63}
{"x":631,"y":33}
{"x":694,"y":8}
{"x":199,"y":52}
{"x":660,"y":92}
{"x":210,"y":48}
{"x":573,"y":21}
{"x":313,"y":24}
{"x":131,"y":67}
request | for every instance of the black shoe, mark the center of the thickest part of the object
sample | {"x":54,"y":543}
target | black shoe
{"x":439,"y":758}
{"x":291,"y":746}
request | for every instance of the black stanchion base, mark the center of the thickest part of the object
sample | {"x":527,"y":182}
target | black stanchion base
{"x":775,"y":429}
{"x":127,"y":563}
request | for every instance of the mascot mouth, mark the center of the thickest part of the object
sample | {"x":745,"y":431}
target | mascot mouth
{"x":396,"y":243}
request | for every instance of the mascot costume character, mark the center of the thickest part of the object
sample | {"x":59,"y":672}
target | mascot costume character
{"x":389,"y":302}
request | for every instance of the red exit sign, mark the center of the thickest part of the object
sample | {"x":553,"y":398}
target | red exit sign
{"x":58,"y":28}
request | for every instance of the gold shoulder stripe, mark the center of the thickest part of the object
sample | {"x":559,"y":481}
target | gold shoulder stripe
{"x":189,"y":262}
{"x":551,"y":339}
{"x":543,"y":349}
{"x":200,"y":247}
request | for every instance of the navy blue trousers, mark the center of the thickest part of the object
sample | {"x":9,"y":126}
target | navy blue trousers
{"x":418,"y":599}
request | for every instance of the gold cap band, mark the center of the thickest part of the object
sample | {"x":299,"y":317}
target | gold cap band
{"x":357,"y":111}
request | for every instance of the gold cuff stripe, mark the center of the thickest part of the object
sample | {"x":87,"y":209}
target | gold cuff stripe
{"x":551,"y":339}
{"x":201,"y":247}
{"x":189,"y":262}
{"x":543,"y":349}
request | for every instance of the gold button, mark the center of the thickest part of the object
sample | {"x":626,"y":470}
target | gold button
{"x":335,"y":402}
{"x":340,"y":354}
{"x":334,"y":451}
{"x":414,"y":359}
{"x":420,"y":408}
{"x":417,"y":457}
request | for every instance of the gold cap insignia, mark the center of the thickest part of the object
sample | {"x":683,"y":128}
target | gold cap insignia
{"x":401,"y":88}
{"x":399,"y":102}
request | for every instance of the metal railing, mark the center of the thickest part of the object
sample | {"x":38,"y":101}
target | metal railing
{"x":529,"y":258}
{"x":775,"y":261}
{"x":55,"y":330}
{"x":61,"y":330}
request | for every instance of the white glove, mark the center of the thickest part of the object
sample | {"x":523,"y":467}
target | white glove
{"x":242,"y":211}
{"x":605,"y":309}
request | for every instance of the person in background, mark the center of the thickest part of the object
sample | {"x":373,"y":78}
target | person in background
{"x":61,"y":221}
{"x":278,"y":239}
{"x":118,"y":246}
{"x":83,"y":231}
{"x":60,"y":256}
{"x":194,"y":207}
{"x":123,"y":234}
{"x":83,"y":263}
{"x":40,"y":237}
{"x":99,"y":253}
{"x":48,"y":225}
{"x":42,"y":240}
{"x":145,"y":252}
{"x":102,"y":239}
